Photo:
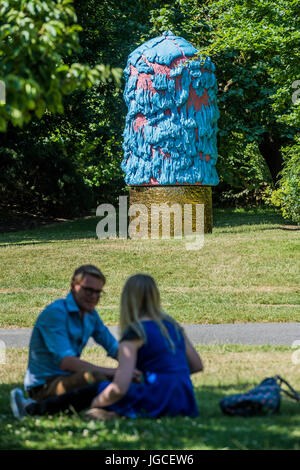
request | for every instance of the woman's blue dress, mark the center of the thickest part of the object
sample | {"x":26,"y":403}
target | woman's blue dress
{"x":167,"y":388}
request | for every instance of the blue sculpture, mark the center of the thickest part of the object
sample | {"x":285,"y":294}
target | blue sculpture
{"x":171,"y":126}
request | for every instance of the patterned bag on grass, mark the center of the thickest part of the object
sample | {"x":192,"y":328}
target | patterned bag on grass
{"x":265,"y":398}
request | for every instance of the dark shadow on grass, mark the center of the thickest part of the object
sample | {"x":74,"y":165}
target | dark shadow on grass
{"x":63,"y":231}
{"x":211,"y":430}
{"x":253,"y":216}
{"x":46,"y":242}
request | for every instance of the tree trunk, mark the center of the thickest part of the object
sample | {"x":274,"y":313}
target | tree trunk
{"x":269,"y":147}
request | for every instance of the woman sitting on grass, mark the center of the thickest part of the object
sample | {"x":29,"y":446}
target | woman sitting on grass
{"x":152,"y":342}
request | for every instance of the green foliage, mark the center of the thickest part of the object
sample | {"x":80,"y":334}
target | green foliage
{"x":254,"y":45}
{"x":37,"y":39}
{"x":29,"y":167}
{"x":111,"y":30}
{"x":47,"y":78}
{"x":244,"y":166}
{"x":50,"y":65}
{"x":243,"y":172}
{"x":287,"y":197}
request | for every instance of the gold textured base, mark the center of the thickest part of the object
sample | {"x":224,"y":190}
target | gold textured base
{"x":177,"y":196}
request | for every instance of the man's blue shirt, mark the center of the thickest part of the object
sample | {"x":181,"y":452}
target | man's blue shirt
{"x":59,"y":332}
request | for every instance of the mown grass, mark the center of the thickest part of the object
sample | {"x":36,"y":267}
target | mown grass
{"x":228,"y":369}
{"x":247,"y":271}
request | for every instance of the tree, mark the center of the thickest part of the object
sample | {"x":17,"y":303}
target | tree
{"x":254,"y":45}
{"x":37,"y":40}
{"x":81,"y":147}
{"x":287,"y":196}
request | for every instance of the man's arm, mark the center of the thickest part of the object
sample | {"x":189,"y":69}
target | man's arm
{"x":53,"y":328}
{"x":74,"y":364}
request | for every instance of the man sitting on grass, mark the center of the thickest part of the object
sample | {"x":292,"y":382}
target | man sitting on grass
{"x":60,"y":333}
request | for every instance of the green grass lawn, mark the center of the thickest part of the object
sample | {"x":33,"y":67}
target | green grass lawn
{"x":247,"y":271}
{"x":228,"y":369}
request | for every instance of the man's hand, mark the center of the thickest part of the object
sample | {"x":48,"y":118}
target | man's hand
{"x":74,"y":364}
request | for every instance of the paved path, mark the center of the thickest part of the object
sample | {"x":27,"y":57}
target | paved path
{"x":249,"y":333}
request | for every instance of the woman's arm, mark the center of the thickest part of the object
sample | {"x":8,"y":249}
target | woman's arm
{"x":194,"y":360}
{"x":118,"y":388}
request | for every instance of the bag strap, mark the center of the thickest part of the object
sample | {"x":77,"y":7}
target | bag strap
{"x":292,"y":393}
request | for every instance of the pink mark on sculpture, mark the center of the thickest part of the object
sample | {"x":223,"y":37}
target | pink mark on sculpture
{"x":178,"y":61}
{"x":133,"y":70}
{"x":158,"y":68}
{"x":153,"y":181}
{"x":207,"y":158}
{"x":178,"y":85}
{"x":167,"y":112}
{"x":144,"y":81}
{"x":165,"y":155}
{"x":163,"y":69}
{"x":139,"y":122}
{"x":152,"y":151}
{"x":196,"y":100}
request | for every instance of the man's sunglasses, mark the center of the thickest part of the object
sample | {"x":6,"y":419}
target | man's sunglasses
{"x":91,"y":291}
